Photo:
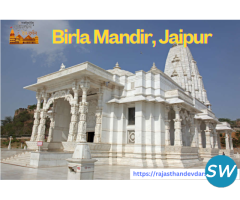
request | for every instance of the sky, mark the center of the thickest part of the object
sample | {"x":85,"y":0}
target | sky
{"x":218,"y":61}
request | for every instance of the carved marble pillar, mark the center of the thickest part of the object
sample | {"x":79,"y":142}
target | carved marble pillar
{"x":73,"y":124}
{"x":83,"y":109}
{"x":74,"y":118}
{"x":36,"y":119}
{"x":192,"y":130}
{"x":43,"y":115}
{"x":211,"y":137}
{"x":230,"y":140}
{"x":177,"y":126}
{"x":35,"y":125}
{"x":199,"y":134}
{"x":208,"y":134}
{"x":51,"y":128}
{"x":215,"y":137}
{"x":184,"y":132}
{"x":227,"y":140}
{"x":98,"y":126}
{"x":42,"y":126}
{"x":196,"y":140}
{"x":167,"y":127}
{"x":218,"y":140}
{"x":97,"y":137}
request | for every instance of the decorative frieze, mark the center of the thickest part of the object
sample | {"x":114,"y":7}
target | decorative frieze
{"x":131,"y":137}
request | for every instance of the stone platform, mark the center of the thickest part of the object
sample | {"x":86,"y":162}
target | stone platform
{"x":49,"y":159}
{"x":33,"y":146}
{"x":182,"y":156}
{"x":207,"y":153}
{"x":128,"y":154}
{"x":227,"y":152}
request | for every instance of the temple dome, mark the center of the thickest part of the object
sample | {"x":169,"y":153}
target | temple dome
{"x":118,"y":71}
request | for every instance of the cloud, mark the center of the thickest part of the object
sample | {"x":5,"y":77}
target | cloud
{"x":48,"y":52}
{"x":80,"y":48}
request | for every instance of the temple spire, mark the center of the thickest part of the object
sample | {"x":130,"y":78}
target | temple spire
{"x":180,"y":63}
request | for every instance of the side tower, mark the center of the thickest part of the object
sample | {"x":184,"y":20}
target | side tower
{"x":182,"y":68}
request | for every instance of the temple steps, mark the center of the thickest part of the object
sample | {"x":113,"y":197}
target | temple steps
{"x":22,"y":159}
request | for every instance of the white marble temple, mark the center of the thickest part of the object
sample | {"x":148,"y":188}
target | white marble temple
{"x":148,"y":119}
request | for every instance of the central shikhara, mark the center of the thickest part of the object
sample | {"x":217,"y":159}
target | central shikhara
{"x":148,"y":119}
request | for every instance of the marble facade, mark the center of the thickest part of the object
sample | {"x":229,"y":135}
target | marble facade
{"x":148,"y":119}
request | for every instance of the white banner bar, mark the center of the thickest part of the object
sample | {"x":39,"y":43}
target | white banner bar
{"x":169,"y":174}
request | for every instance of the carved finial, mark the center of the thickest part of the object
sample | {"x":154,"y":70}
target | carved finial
{"x":62,"y":67}
{"x":117,"y":66}
{"x":154,"y":66}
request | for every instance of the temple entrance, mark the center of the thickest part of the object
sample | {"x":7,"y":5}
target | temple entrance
{"x":90,"y":136}
{"x":62,"y":120}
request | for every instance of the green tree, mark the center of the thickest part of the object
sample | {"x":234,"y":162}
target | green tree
{"x":32,"y":107}
{"x":7,"y":120}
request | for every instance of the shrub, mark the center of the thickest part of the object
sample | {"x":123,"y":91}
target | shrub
{"x":6,"y":142}
{"x":32,"y":107}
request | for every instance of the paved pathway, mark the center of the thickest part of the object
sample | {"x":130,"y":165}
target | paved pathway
{"x":105,"y":172}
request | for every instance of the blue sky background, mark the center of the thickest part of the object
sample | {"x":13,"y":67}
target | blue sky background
{"x":218,"y":61}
